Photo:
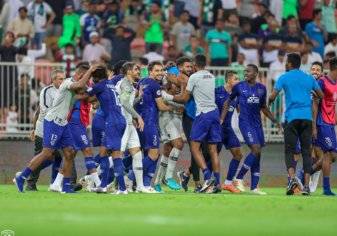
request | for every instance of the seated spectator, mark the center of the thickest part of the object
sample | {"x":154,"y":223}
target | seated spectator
{"x":194,"y":8}
{"x":249,"y":45}
{"x":315,"y":32}
{"x":94,"y":51}
{"x":276,"y":8}
{"x":22,"y":27}
{"x":43,"y":16}
{"x":71,"y":28}
{"x":112,"y":16}
{"x":239,"y":66}
{"x":277,"y":67}
{"x":306,"y":10}
{"x":68,"y":57}
{"x":293,"y":37}
{"x":182,"y":31}
{"x":289,"y":9}
{"x":90,"y":22}
{"x":120,"y":43}
{"x":219,"y":42}
{"x":153,"y":55}
{"x":292,"y":28}
{"x":193,"y":48}
{"x":232,"y":24}
{"x":332,"y":45}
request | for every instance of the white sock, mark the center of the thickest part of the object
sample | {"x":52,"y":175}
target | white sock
{"x":58,"y":180}
{"x":96,"y":179}
{"x":137,"y":167}
{"x":162,"y":169}
{"x":228,"y":182}
{"x":172,"y":162}
{"x":111,"y":163}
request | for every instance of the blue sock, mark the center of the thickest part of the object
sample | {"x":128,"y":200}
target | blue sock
{"x":232,"y":169}
{"x":66,"y":185}
{"x":146,"y":164}
{"x":209,"y":166}
{"x":255,"y":174}
{"x":326,"y":184}
{"x":152,"y":170}
{"x":55,"y":169}
{"x":111,"y":175}
{"x":105,"y":171}
{"x":207,"y":174}
{"x":25,"y":173}
{"x":89,"y":163}
{"x":217,"y":178}
{"x":131,"y":176}
{"x":127,"y":162}
{"x":119,"y":173}
{"x":97,"y":159}
{"x":249,"y":161}
{"x":46,"y":163}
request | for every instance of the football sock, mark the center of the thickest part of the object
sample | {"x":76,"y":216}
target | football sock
{"x":172,"y":162}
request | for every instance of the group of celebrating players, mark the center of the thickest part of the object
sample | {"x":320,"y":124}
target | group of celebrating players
{"x":134,"y":115}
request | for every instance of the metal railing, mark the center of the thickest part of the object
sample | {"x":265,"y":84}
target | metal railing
{"x":20,"y":85}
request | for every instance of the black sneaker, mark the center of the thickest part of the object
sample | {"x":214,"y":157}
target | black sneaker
{"x":183,"y":180}
{"x":306,"y":191}
{"x":206,"y":185}
{"x":213,"y":189}
{"x":198,"y":188}
{"x":31,"y":188}
{"x":291,"y":186}
{"x":77,"y":187}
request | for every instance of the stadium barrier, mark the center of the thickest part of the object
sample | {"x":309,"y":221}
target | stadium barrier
{"x":21,"y":83}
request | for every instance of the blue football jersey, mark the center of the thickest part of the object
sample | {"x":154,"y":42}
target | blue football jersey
{"x":221,"y":95}
{"x":251,"y":99}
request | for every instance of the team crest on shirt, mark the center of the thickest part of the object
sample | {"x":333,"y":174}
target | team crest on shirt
{"x":53,"y":139}
{"x":231,"y":109}
{"x":250,"y":137}
{"x":84,"y":139}
{"x":158,"y":92}
{"x":328,"y":141}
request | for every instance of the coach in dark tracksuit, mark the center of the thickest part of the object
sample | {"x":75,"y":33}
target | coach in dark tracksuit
{"x":298,"y":87}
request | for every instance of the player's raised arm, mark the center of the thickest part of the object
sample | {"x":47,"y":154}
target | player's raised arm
{"x":85,"y":78}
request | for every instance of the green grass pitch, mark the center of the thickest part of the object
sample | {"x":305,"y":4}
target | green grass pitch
{"x":173,"y":213}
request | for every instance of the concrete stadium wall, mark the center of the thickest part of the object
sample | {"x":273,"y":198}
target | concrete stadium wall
{"x":14,"y":155}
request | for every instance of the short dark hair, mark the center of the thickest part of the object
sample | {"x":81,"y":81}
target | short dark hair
{"x":294,"y":59}
{"x":333,"y":63}
{"x":254,"y":67}
{"x":153,"y":64}
{"x":230,"y":73}
{"x":83,"y":65}
{"x":200,"y":60}
{"x":127,"y":66}
{"x":117,"y":67}
{"x":316,"y":12}
{"x":184,"y":11}
{"x":100,"y":73}
{"x":318,"y":63}
{"x":181,"y":60}
{"x":23,"y":8}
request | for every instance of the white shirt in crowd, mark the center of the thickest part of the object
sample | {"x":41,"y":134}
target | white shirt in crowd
{"x":229,"y":4}
{"x":313,"y":57}
{"x":14,"y":9}
{"x":39,"y":13}
{"x":330,"y":48}
{"x":61,"y":104}
{"x":47,"y":96}
{"x":153,"y":56}
{"x":276,"y":69}
{"x":93,"y":52}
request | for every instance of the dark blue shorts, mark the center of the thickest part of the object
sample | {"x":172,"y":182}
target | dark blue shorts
{"x":113,"y":135}
{"x":56,"y":136}
{"x":150,"y":137}
{"x":79,"y":135}
{"x":206,"y":127}
{"x":251,"y":134}
{"x":98,"y":130}
{"x":326,"y":138}
{"x":229,"y":138}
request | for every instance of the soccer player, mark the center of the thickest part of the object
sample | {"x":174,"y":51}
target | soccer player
{"x":326,"y":121}
{"x":206,"y":126}
{"x":251,"y":97}
{"x":148,"y":107}
{"x":130,"y":141}
{"x":170,"y":124}
{"x":56,"y":133}
{"x":229,"y":138}
{"x":46,"y":99}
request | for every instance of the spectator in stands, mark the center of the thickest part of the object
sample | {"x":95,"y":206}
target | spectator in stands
{"x":193,"y":48}
{"x":293,"y":37}
{"x":153,"y":54}
{"x":154,"y":22}
{"x":211,"y":11}
{"x":249,"y":44}
{"x":71,"y":27}
{"x":332,"y":45}
{"x":306,"y":12}
{"x":90,"y":22}
{"x":12,"y":120}
{"x":133,"y":13}
{"x":94,"y":51}
{"x":194,"y":8}
{"x":57,"y":6}
{"x":121,"y":44}
{"x":229,"y":7}
{"x":277,"y":67}
{"x":260,"y":18}
{"x":315,"y":32}
{"x":69,"y":58}
{"x":246,"y":10}
{"x":182,"y":31}
{"x":305,"y":64}
{"x":312,"y":55}
{"x":239,"y":65}
{"x":42,"y":16}
{"x":232,"y":24}
{"x":14,"y":9}
{"x":22,"y":100}
{"x":172,"y":53}
{"x":276,"y":8}
{"x":22,"y":27}
{"x":112,"y":16}
{"x":289,"y":9}
{"x":219,"y":42}
{"x":4,"y":12}
{"x":328,"y":17}
{"x":272,"y":43}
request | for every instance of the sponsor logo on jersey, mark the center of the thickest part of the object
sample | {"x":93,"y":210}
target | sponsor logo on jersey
{"x":253,"y":100}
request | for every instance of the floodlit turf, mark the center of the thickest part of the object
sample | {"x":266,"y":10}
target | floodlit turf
{"x":173,"y":213}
